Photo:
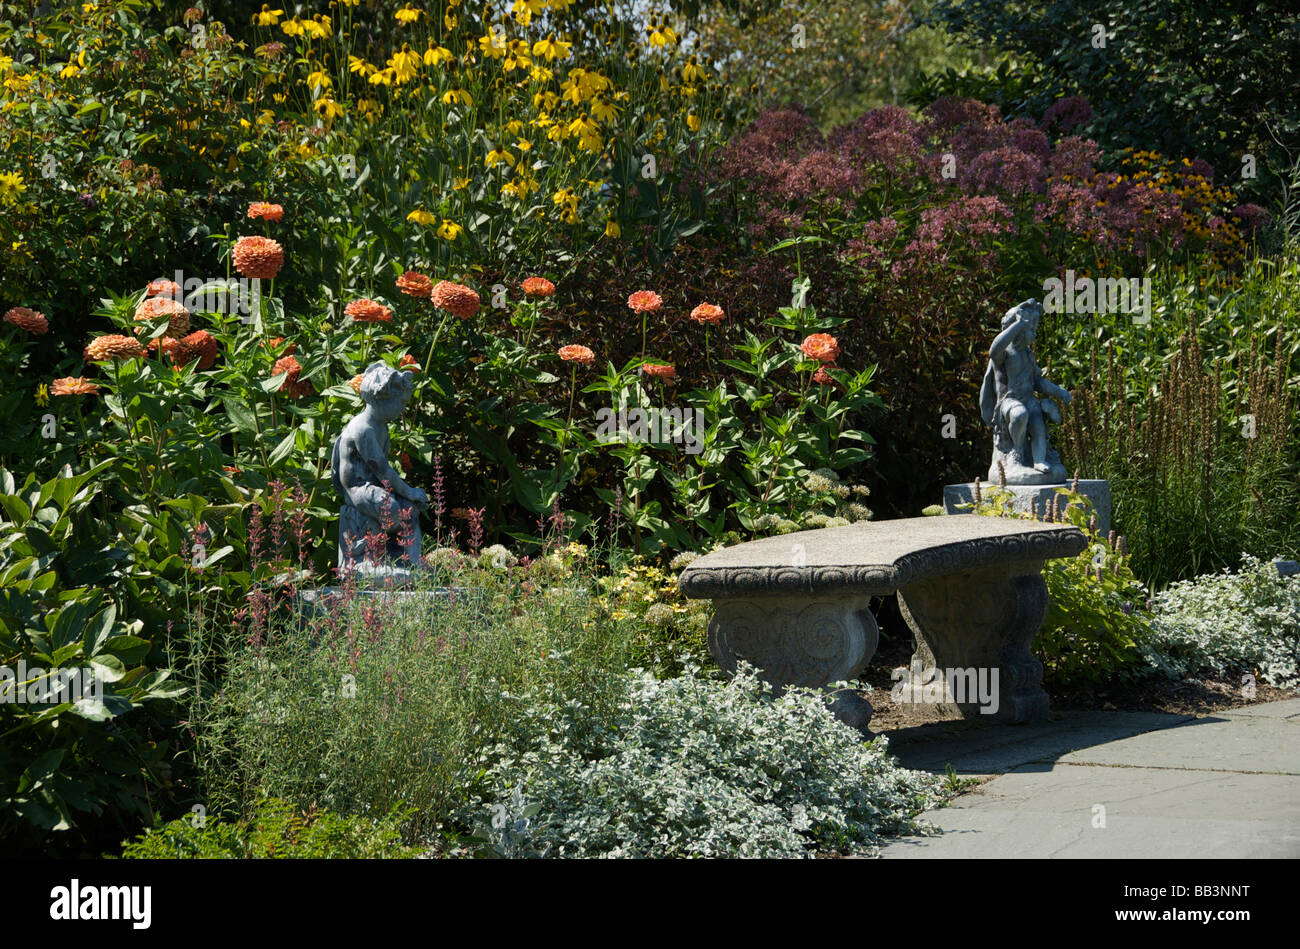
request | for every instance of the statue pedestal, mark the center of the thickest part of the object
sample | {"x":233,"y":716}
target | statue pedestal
{"x":1027,"y":497}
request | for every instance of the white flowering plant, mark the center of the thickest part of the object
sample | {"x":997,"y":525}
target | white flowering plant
{"x":1225,"y":622}
{"x":695,"y":766}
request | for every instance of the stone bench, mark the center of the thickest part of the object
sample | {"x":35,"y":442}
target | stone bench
{"x":970,"y":587}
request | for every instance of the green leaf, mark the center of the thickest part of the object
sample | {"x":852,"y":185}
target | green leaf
{"x":99,"y":628}
{"x":282,"y":450}
{"x":240,"y":414}
{"x":108,"y":668}
{"x":100,"y":710}
{"x":41,"y":770}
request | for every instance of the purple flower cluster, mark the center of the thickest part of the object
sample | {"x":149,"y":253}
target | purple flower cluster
{"x":942,"y":187}
{"x":820,"y":172}
{"x":1007,"y":169}
{"x":889,"y":137}
{"x":768,"y":147}
{"x":784,"y":158}
{"x":1074,"y":157}
{"x":1252,"y":217}
{"x":1116,"y":214}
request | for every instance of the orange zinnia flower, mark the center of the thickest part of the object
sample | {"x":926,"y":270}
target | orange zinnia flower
{"x":824,"y":378}
{"x":202,"y":346}
{"x":576,"y":353}
{"x":366,"y":310}
{"x":171,"y":348}
{"x":355,"y":382}
{"x":269,"y":212}
{"x":659,"y":370}
{"x":408,"y":362}
{"x":276,"y":342}
{"x":292,"y":387}
{"x":821,"y":346}
{"x":113,"y":346}
{"x":73,"y":385}
{"x":162,"y":287}
{"x":288,"y":365}
{"x":458,"y":300}
{"x":708,"y":313}
{"x":258,"y":258}
{"x":538,"y":287}
{"x":415,"y":284}
{"x":179,"y":323}
{"x":645,"y":301}
{"x":30,"y":320}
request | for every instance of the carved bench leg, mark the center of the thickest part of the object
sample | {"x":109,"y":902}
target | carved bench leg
{"x":982,"y":620}
{"x":798,"y":640}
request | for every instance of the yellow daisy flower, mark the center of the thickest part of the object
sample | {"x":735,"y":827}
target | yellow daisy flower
{"x":267,"y":17}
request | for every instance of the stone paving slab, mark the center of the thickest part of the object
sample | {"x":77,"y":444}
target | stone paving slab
{"x":1241,"y":743}
{"x":1009,"y":835}
{"x":994,"y":749}
{"x":1226,"y":785}
{"x":1287,"y":709}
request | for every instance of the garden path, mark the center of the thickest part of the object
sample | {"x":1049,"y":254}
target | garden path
{"x":1224,"y":785}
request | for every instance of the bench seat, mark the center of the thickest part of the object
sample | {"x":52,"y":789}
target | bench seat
{"x":970,"y":587}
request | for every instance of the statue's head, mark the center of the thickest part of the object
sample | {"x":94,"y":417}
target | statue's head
{"x":1028,"y":313}
{"x":385,"y":389}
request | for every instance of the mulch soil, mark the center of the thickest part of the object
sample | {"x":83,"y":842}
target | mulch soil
{"x":1155,"y":693}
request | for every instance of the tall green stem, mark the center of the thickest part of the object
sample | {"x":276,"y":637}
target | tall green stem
{"x":125,"y":405}
{"x":428,"y":362}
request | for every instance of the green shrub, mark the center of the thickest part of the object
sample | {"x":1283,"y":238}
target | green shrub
{"x":276,"y":830}
{"x":365,"y":705}
{"x":1009,"y":84}
{"x":848,"y":59}
{"x":1230,"y":622}
{"x":71,"y":762}
{"x":1096,"y":617}
{"x":693,"y":767}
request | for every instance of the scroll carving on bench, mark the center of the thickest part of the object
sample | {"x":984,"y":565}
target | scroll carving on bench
{"x":970,"y":587}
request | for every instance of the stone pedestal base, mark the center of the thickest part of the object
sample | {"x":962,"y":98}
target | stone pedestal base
{"x":1031,"y":496}
{"x":1020,"y":470}
{"x":394,"y":556}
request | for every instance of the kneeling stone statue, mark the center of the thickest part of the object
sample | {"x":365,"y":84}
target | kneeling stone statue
{"x":376,"y":500}
{"x":1009,"y":403}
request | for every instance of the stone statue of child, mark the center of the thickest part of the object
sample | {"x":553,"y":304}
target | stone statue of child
{"x":376,"y":500}
{"x":1009,"y":402}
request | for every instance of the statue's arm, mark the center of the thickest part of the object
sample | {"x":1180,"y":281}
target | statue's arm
{"x":1049,"y":388}
{"x":989,"y":396}
{"x":367,"y":454}
{"x":398,"y":482}
{"x":1004,"y":339}
{"x":399,"y":486}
